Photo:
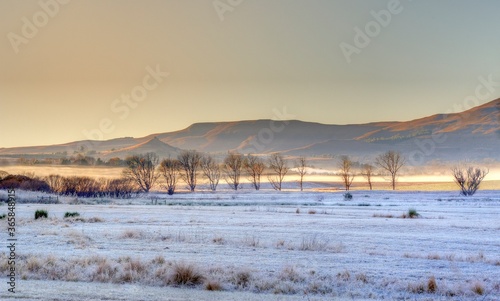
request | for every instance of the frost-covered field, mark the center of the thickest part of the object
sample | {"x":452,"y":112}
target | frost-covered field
{"x":261,"y":246}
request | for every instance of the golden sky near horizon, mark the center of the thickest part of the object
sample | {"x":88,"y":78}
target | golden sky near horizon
{"x":70,"y":67}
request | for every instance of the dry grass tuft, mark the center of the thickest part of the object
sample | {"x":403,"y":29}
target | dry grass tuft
{"x":416,"y":288}
{"x":159,"y":260}
{"x":361,"y":277}
{"x":431,"y":285}
{"x":311,"y":211}
{"x":213,"y":286}
{"x":383,"y":215}
{"x":478,"y":288}
{"x":313,"y":243}
{"x":131,"y":234}
{"x":242,"y":279}
{"x":218,"y":240}
{"x":344,"y":276}
{"x":95,"y":220}
{"x":185,"y":274}
{"x":33,"y":264}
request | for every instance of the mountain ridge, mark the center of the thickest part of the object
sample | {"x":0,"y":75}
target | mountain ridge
{"x":471,"y":134}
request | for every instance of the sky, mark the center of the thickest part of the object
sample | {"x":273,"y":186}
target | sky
{"x":74,"y":70}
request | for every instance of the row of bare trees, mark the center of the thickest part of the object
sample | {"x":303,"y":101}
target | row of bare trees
{"x":390,"y":162}
{"x":143,"y":169}
{"x":146,"y":169}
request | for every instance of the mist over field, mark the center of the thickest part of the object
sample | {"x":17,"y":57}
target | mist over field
{"x":249,"y":150}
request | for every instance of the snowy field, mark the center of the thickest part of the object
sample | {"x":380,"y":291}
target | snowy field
{"x":259,"y":246}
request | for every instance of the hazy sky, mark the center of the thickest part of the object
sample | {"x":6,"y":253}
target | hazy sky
{"x":67,"y":68}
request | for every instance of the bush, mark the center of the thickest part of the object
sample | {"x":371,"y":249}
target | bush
{"x":468,"y":178}
{"x":347,"y":196}
{"x":3,"y":216}
{"x":71,"y":214}
{"x":41,"y":214}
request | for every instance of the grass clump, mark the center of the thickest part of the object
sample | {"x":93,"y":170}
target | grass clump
{"x":41,"y":214}
{"x":478,"y":288}
{"x":431,"y":285}
{"x":71,"y":214}
{"x":412,"y":213}
{"x":185,"y":274}
{"x":213,"y":286}
{"x":3,"y":216}
{"x":347,"y":196}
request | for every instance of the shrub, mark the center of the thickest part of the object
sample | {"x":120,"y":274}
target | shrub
{"x":41,"y":214}
{"x":311,"y":211}
{"x":468,"y":178}
{"x":71,"y":214}
{"x":347,"y":196}
{"x":3,"y":216}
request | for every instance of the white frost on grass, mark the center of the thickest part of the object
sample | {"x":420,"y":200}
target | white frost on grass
{"x":257,"y":243}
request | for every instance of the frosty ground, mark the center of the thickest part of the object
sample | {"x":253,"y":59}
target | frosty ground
{"x":260,"y":246}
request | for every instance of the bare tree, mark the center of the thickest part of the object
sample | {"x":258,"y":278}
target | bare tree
{"x":233,"y":163}
{"x":368,"y":173}
{"x":279,"y":168}
{"x":391,"y":162}
{"x":142,"y":170}
{"x":190,"y":161}
{"x":211,"y":170}
{"x":170,"y":170}
{"x":468,"y":178}
{"x":345,"y":165}
{"x":301,"y":166}
{"x":254,"y":167}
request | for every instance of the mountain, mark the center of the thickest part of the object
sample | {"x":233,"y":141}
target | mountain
{"x":473,"y":134}
{"x":162,"y":149}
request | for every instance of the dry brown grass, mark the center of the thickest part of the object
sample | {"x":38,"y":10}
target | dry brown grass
{"x":361,"y":277}
{"x":383,"y":215}
{"x":218,"y":240}
{"x":131,"y":234}
{"x":344,"y":276}
{"x":432,"y":285}
{"x":213,"y":285}
{"x":478,"y":288}
{"x":242,"y":278}
{"x":186,"y":274}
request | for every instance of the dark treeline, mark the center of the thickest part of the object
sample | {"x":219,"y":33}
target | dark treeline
{"x":79,"y":159}
{"x":80,"y":186}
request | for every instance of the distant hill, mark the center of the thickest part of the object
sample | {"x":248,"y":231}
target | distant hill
{"x":473,"y":134}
